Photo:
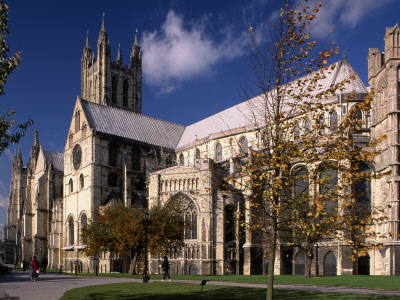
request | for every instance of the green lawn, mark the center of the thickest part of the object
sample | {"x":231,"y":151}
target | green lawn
{"x":372,"y":282}
{"x":171,"y":290}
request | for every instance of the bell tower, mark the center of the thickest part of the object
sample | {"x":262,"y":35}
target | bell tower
{"x":108,"y":82}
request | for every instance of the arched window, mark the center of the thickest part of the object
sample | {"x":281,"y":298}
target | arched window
{"x":321,"y":124}
{"x":125,"y":93}
{"x":81,"y":182}
{"x":333,"y":119}
{"x":77,"y":120}
{"x":71,"y":231}
{"x":330,"y":264}
{"x":301,"y":183}
{"x":244,"y":146}
{"x":191,"y":222}
{"x":300,"y":264}
{"x":357,"y":117}
{"x":197,"y":154}
{"x":112,"y":180}
{"x":218,"y":152}
{"x":83,"y":226}
{"x":135,"y":159}
{"x":181,"y":160}
{"x":229,"y":224}
{"x":114,"y":86}
{"x":328,"y":189}
{"x":112,"y":154}
{"x":362,"y":190}
{"x":71,"y":186}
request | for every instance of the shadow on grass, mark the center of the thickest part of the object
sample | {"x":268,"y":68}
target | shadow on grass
{"x":178,"y":291}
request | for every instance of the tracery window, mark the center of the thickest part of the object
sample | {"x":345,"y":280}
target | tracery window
{"x":125,"y":93}
{"x":244,"y":146}
{"x":114,"y":84}
{"x":71,"y":231}
{"x":218,"y":152}
{"x":191,"y":222}
{"x":112,"y":154}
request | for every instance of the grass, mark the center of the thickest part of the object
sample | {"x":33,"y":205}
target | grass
{"x":365,"y":281}
{"x":167,"y":290}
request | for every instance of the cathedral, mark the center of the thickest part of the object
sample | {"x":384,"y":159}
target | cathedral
{"x":115,"y":153}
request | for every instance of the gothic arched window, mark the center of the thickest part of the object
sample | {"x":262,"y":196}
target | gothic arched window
{"x":77,"y":120}
{"x":181,"y":160}
{"x":114,"y":85}
{"x":81,"y":182}
{"x":112,"y":180}
{"x":362,"y":190}
{"x":229,"y":226}
{"x":191,"y":222}
{"x":301,"y":183}
{"x":71,"y":186}
{"x":197,"y":154}
{"x":125,"y":93}
{"x":244,"y":146}
{"x":328,"y":182}
{"x":71,"y":231}
{"x":112,"y":154}
{"x":135,"y":159}
{"x":333,"y":119}
{"x":83,"y":226}
{"x":218,"y":152}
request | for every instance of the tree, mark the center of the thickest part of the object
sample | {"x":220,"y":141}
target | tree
{"x":118,"y":229}
{"x":8,"y":134}
{"x":288,"y":86}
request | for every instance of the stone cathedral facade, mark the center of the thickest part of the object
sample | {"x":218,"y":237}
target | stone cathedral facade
{"x":115,"y":153}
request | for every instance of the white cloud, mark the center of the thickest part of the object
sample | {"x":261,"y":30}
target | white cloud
{"x":177,"y":53}
{"x":3,"y":201}
{"x":337,"y":14}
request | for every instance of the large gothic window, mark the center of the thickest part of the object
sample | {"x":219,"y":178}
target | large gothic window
{"x":244,"y":146}
{"x":112,"y":180}
{"x":83,"y":226}
{"x":328,"y":182}
{"x":114,"y":85}
{"x":135,"y":159}
{"x":125,"y":93}
{"x":333,"y":120}
{"x":218,"y":152}
{"x":191,"y":222}
{"x":112,"y":154}
{"x":362,"y":190}
{"x":71,"y":231}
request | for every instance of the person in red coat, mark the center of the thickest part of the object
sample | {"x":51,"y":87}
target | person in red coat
{"x":33,"y":269}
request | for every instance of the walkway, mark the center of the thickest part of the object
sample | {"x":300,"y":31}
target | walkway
{"x":52,"y":286}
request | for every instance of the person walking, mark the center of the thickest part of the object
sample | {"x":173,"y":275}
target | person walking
{"x":33,"y":269}
{"x":165,"y":268}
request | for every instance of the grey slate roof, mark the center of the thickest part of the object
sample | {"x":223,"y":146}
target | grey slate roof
{"x":252,"y":112}
{"x":56,"y":159}
{"x":132,"y":126}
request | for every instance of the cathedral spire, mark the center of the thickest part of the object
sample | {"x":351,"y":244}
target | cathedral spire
{"x":87,"y":40}
{"x":36,"y":140}
{"x":136,"y":42}
{"x":103,"y":27}
{"x":119,"y":58}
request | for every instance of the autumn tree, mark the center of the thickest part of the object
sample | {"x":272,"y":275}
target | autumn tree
{"x":298,"y":181}
{"x":9,"y":133}
{"x":118,"y":229}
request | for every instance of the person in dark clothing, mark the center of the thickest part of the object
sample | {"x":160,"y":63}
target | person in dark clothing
{"x":165,"y":268}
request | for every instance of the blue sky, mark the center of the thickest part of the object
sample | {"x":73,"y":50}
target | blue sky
{"x":193,"y":55}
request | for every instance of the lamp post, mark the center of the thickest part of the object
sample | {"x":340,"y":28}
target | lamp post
{"x":146,"y":217}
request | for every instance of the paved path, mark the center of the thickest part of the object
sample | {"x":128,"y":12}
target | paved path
{"x":52,"y":286}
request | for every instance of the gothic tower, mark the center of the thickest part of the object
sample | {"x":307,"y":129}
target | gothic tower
{"x":384,"y":79}
{"x":111,"y":83}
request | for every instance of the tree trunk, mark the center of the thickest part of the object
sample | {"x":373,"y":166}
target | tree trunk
{"x":308,"y":262}
{"x":271,"y":262}
{"x":133,"y":260}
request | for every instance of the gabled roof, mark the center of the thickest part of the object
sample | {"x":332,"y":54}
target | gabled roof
{"x":56,"y":159}
{"x":129,"y":125}
{"x":252,"y":112}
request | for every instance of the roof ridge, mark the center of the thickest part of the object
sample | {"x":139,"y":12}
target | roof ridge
{"x":132,"y":112}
